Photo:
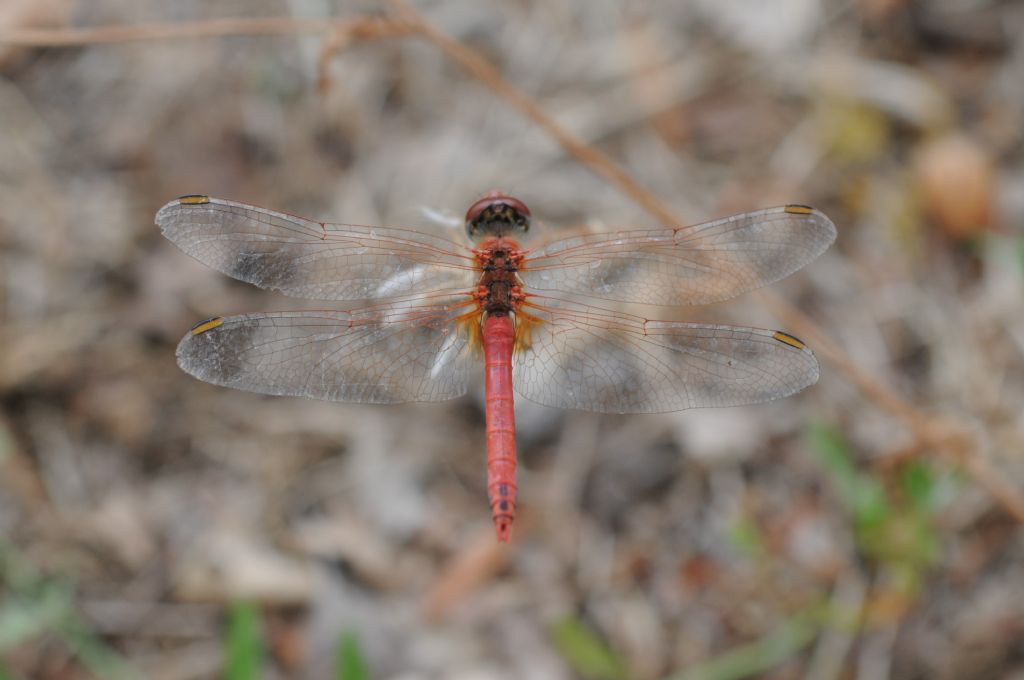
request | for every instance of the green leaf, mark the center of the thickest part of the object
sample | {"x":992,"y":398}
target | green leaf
{"x":870,"y":505}
{"x":831,"y":448}
{"x":585,"y":651}
{"x":897,"y":531}
{"x":350,"y":663}
{"x":863,"y":496}
{"x":918,"y":482}
{"x":25,"y":615}
{"x":245,"y":652}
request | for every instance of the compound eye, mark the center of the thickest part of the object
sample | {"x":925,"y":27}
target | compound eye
{"x":492,"y":198}
{"x":489,"y":199}
{"x":518,"y":206}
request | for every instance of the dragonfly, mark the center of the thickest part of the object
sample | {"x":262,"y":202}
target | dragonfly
{"x":546,"y":322}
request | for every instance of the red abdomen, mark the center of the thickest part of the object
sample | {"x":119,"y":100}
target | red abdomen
{"x":498,"y":341}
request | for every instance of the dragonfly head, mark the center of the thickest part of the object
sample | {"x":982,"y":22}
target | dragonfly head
{"x":497,"y":214}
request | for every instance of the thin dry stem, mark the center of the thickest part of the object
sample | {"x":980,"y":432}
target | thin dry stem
{"x":214,"y":28}
{"x":477,"y":66}
{"x":475,"y":564}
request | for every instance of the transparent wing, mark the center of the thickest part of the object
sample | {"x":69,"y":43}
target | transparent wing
{"x":316,"y":260}
{"x":581,"y":357}
{"x":397,"y":352}
{"x":701,"y":264}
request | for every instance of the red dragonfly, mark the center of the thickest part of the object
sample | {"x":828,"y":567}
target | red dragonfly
{"x":436,"y":306}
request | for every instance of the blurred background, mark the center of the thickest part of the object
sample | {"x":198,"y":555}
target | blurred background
{"x":155,"y":526}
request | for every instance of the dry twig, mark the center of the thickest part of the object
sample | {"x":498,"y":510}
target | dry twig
{"x":370,"y":27}
{"x":475,"y":564}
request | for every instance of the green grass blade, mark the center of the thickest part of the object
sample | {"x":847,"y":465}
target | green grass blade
{"x":350,"y":663}
{"x":102,"y":660}
{"x":757,"y":657}
{"x":245,"y":651}
{"x":585,"y":651}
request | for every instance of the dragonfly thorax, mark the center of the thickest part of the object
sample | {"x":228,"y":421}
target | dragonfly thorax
{"x":499,"y":286}
{"x":497,"y":214}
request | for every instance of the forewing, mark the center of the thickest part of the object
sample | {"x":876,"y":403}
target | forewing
{"x":700,"y":264}
{"x":398,"y":352}
{"x":321,"y":261}
{"x":581,"y":357}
